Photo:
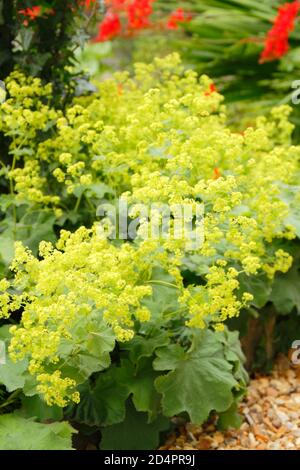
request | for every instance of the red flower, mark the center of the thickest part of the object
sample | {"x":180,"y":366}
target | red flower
{"x":277,"y":39}
{"x":31,"y":13}
{"x":178,"y":16}
{"x":138,"y":12}
{"x":217,"y":173}
{"x":212,"y":89}
{"x":109,"y":27}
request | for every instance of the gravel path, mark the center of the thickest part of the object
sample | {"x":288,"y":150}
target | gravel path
{"x":271,"y":415}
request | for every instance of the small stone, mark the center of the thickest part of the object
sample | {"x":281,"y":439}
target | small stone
{"x":261,"y":447}
{"x":272,"y":392}
{"x":252,"y":441}
{"x":291,"y":426}
{"x":230,"y":441}
{"x":274,"y":446}
{"x":218,"y":438}
{"x":244,"y":427}
{"x":263,"y":382}
{"x":204,"y":443}
{"x":289,"y":445}
{"x":282,"y":416}
{"x":276,"y":422}
{"x":210,"y":428}
{"x":245,"y":442}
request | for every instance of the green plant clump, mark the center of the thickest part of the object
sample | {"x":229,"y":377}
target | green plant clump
{"x":131,"y":331}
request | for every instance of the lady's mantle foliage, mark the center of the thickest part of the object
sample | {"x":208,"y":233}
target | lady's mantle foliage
{"x":159,"y":137}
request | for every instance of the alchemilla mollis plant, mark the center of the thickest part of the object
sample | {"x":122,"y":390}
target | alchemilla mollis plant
{"x":111,"y":328}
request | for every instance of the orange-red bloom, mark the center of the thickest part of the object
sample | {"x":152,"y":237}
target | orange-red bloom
{"x":217,"y":173}
{"x":212,"y":89}
{"x":135,"y":15}
{"x":109,"y":28}
{"x":277,"y":39}
{"x":178,"y":16}
{"x":31,"y":13}
{"x":138,"y":12}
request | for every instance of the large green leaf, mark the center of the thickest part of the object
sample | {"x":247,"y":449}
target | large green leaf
{"x":6,"y":247}
{"x":12,"y":374}
{"x":163,"y":300}
{"x":31,"y":229}
{"x":290,"y":194}
{"x":140,"y":384}
{"x":88,"y":351}
{"x":17,"y":433}
{"x":234,"y":354}
{"x":286,"y":290}
{"x":259,"y":286}
{"x":34,"y":227}
{"x":230,"y":418}
{"x":200,"y":380}
{"x":144,"y":346}
{"x":102,"y":403}
{"x":36,"y":407}
{"x":134,"y":433}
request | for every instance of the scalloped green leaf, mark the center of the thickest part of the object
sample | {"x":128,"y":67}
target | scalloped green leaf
{"x":102,"y":403}
{"x":259,"y":286}
{"x":199,"y":380}
{"x":13,"y":375}
{"x":91,"y":352}
{"x":36,"y":407}
{"x":286,"y":292}
{"x":141,"y":436}
{"x":17,"y":433}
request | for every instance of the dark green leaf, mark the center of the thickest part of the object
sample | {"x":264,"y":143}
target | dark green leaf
{"x":134,"y":433}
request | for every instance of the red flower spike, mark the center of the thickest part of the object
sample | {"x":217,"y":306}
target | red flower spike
{"x":277,"y":39}
{"x":138,"y":12}
{"x":178,"y":16}
{"x":109,"y":28}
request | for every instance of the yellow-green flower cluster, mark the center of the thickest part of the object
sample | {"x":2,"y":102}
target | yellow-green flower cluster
{"x":82,"y":280}
{"x":158,"y":137}
{"x":23,"y":117}
{"x":54,"y":388}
